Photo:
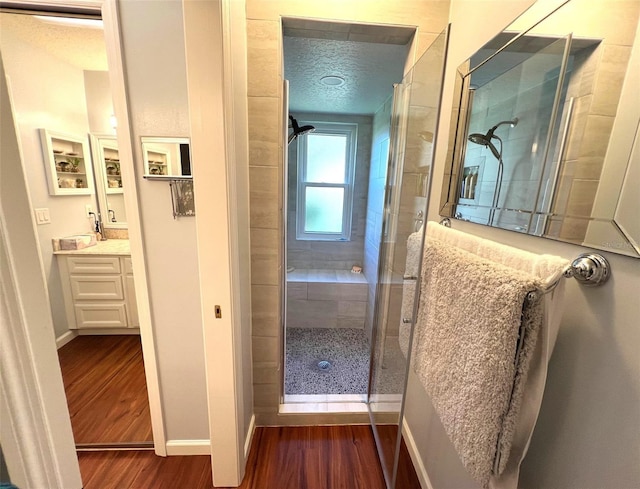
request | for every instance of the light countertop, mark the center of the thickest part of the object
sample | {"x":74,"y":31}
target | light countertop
{"x":108,"y":247}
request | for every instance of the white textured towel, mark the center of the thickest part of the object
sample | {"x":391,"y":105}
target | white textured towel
{"x":404,"y":332}
{"x":414,"y":248}
{"x":471,"y":316}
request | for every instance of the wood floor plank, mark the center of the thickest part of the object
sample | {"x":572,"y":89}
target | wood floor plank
{"x":144,"y":470}
{"x":106,"y":389}
{"x":303,"y":457}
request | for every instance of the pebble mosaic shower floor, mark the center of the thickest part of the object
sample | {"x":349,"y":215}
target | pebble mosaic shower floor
{"x":347,"y":351}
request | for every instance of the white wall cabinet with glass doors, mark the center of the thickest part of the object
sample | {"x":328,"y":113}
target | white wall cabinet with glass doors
{"x":67,"y":163}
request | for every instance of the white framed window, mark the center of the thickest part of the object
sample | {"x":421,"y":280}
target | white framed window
{"x":326,"y":168}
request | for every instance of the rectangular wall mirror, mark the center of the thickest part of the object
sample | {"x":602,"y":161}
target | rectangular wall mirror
{"x":543,"y":129}
{"x":109,"y":188}
{"x":166,"y":157}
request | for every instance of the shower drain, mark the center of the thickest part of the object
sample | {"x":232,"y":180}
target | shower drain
{"x":324,"y":365}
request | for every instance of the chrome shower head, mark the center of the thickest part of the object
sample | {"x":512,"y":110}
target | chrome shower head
{"x":485,"y":139}
{"x":297,"y":130}
{"x":512,"y":123}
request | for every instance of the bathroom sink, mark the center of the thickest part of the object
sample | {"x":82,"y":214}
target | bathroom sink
{"x":75,"y":242}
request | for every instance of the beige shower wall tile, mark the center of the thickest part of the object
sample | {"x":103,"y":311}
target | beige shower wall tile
{"x":609,"y":79}
{"x":265,"y":310}
{"x":264,"y":131}
{"x":574,"y":229}
{"x":264,"y":193}
{"x":581,"y":108}
{"x":352,"y":309}
{"x":311,"y":311}
{"x":353,"y":292}
{"x":322,"y":291}
{"x":613,"y":21}
{"x":296,"y":290}
{"x":581,"y":198}
{"x":265,"y":265}
{"x":266,"y":373}
{"x":266,"y":395}
{"x":354,"y":323}
{"x":265,"y":349}
{"x":596,"y":136}
{"x":431,"y":16}
{"x":263,"y":58}
{"x":588,"y":167}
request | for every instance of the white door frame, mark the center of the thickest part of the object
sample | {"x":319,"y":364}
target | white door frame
{"x":109,"y":11}
{"x":215,"y":43}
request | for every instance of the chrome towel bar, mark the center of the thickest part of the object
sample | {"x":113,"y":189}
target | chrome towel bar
{"x":589,"y":269}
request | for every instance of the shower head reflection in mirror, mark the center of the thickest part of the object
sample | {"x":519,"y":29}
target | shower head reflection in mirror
{"x":485,"y":139}
{"x":569,"y":167}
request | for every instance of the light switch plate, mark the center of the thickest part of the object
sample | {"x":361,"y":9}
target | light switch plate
{"x":42,"y":216}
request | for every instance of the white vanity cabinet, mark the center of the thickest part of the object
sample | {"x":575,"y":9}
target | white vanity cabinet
{"x":99,"y":291}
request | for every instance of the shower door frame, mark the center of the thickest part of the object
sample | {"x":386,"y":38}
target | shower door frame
{"x":388,"y":224}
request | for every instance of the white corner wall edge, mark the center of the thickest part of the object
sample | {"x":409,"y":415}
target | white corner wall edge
{"x":188,"y":447}
{"x":249,"y":437}
{"x":412,"y":448}
{"x":65,"y":338}
{"x":115,"y":59}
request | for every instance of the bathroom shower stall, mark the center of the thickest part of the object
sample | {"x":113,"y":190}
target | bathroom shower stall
{"x":338,"y":113}
{"x":356,"y":197}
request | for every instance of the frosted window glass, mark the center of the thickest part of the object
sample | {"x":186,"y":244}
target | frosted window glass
{"x":323,"y":207}
{"x":326,"y":158}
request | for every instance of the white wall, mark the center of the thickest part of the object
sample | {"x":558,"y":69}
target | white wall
{"x":153,"y":40}
{"x":99,"y":102}
{"x":586,"y":435}
{"x":48,"y":93}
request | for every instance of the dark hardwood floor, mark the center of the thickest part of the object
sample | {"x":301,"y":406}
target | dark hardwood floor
{"x":106,"y":389}
{"x":307,"y":457}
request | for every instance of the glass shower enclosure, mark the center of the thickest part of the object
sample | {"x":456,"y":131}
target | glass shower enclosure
{"x":414,"y":118}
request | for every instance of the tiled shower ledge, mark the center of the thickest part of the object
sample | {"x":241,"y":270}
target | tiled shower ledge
{"x":326,"y":276}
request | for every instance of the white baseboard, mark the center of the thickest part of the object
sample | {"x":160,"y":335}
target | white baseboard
{"x":108,"y":331}
{"x":188,"y":447}
{"x":65,"y":338}
{"x":249,"y":436}
{"x":421,"y":471}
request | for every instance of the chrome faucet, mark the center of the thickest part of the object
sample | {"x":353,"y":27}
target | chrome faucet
{"x":97,"y":223}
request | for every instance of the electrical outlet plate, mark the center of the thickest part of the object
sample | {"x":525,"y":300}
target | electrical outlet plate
{"x":88,"y":208}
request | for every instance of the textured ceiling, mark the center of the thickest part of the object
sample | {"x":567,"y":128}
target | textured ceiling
{"x":79,"y":46}
{"x":369,"y":70}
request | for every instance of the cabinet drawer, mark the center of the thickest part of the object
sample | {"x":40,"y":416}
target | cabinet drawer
{"x":93,"y":264}
{"x":127,"y":265}
{"x":132,"y":307}
{"x":101,"y":315}
{"x":100,"y":287}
